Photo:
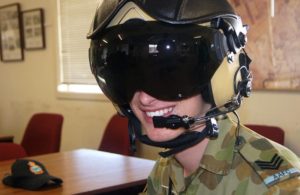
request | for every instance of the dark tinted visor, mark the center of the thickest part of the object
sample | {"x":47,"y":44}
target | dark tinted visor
{"x":169,"y":62}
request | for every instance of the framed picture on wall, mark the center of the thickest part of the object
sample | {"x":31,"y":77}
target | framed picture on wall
{"x":33,"y":28}
{"x":11,"y":33}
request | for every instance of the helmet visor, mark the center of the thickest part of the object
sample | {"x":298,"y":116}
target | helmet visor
{"x":169,"y":62}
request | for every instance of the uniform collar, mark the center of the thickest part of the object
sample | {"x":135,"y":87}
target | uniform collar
{"x":219,"y":152}
{"x":217,"y":157}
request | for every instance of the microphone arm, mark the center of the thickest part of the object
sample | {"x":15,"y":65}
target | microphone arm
{"x":175,"y":121}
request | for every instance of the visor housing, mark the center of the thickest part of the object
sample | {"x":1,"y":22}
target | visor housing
{"x":169,"y":62}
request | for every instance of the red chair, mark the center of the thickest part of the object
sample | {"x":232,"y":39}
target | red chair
{"x":272,"y":132}
{"x":9,"y":151}
{"x":43,"y":134}
{"x":116,"y":136}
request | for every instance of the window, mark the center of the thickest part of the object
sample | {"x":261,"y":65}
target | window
{"x":75,"y":77}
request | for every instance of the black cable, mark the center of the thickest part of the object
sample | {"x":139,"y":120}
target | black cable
{"x":170,"y":187}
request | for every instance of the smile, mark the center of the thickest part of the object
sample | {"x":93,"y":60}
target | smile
{"x":159,"y":112}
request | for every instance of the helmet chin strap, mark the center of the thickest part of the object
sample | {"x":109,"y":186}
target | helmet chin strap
{"x":180,"y":143}
{"x":190,"y":137}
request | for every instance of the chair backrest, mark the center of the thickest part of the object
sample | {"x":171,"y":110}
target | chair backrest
{"x":272,"y":132}
{"x":43,"y":134}
{"x":10,"y":151}
{"x":116,"y":136}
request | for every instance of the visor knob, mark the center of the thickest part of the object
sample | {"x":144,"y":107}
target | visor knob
{"x":230,"y":58}
{"x":246,"y":90}
{"x":242,"y":39}
{"x":246,"y":83}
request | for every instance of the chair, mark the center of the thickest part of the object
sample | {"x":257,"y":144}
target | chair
{"x":116,"y":136}
{"x":9,"y":151}
{"x":43,"y":134}
{"x":272,"y":132}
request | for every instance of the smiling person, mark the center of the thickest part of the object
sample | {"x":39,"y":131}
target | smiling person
{"x":176,"y":69}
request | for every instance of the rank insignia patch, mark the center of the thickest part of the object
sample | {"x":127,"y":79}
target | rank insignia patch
{"x":274,"y":163}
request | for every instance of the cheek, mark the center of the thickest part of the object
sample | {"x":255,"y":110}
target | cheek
{"x":137,"y":112}
{"x":193,"y":107}
{"x":189,"y":108}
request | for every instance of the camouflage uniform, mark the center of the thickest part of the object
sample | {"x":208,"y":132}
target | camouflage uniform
{"x":255,"y":166}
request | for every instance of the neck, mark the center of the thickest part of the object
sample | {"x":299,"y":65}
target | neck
{"x":191,"y":157}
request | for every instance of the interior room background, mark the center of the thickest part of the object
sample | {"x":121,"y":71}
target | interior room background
{"x":30,"y":86}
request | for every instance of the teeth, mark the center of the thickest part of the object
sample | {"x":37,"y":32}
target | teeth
{"x":159,"y":112}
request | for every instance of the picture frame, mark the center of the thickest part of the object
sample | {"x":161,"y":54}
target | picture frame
{"x":33,"y":29}
{"x":11,"y":42}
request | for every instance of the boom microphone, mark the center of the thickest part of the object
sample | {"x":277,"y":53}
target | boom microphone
{"x":175,"y":121}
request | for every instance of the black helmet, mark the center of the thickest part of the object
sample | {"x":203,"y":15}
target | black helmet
{"x":171,"y":50}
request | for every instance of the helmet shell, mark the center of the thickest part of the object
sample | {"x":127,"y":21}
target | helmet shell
{"x":218,"y":13}
{"x":171,"y":11}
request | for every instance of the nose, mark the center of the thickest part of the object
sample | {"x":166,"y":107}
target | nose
{"x":145,"y":98}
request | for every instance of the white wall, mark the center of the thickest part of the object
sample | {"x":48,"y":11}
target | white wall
{"x":30,"y":86}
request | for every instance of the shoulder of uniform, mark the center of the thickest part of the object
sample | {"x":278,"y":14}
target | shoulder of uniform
{"x":272,"y":161}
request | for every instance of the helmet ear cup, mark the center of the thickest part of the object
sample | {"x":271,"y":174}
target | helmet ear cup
{"x":223,"y":85}
{"x":231,"y":79}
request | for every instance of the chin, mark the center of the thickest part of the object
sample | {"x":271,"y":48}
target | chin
{"x":162,"y":134}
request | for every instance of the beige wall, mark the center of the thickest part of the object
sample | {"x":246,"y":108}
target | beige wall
{"x":30,"y":86}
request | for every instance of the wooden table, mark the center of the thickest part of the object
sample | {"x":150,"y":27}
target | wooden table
{"x":86,"y":171}
{"x":6,"y":138}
